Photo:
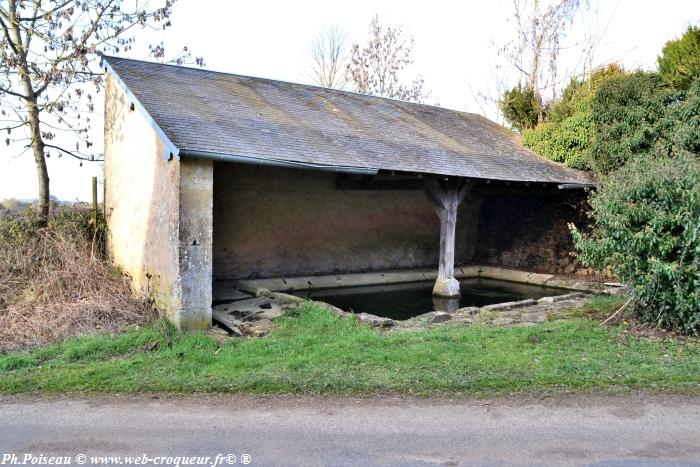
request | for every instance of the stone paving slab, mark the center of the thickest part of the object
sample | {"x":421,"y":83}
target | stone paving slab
{"x":248,"y":317}
{"x":523,"y":314}
{"x":288,"y":284}
{"x":509,"y":305}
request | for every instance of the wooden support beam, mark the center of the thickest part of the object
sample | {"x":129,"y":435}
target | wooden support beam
{"x":434,"y":192}
{"x":446,"y":197}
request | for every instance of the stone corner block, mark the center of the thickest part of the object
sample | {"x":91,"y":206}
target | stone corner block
{"x":376,"y":321}
{"x":440,"y":317}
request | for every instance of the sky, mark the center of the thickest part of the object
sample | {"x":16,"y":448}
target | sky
{"x":455,"y":51}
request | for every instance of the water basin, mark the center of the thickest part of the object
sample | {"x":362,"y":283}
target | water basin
{"x":403,"y":301}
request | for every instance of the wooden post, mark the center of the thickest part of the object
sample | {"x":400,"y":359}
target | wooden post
{"x":446,"y":199}
{"x":94,"y":203}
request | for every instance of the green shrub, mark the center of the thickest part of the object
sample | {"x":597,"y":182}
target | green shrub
{"x":636,"y":115}
{"x":569,"y":132}
{"x":520,"y":107}
{"x":679,"y":128}
{"x":647,"y":230}
{"x":626,"y":112}
{"x":568,"y":141}
{"x":679,"y":62}
{"x":20,"y":231}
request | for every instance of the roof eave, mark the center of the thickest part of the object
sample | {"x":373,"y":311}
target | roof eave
{"x":216,"y":156}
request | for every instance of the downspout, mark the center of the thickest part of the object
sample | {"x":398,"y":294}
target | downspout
{"x":216,"y":156}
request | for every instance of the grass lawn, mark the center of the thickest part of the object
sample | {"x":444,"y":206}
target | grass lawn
{"x":313,"y":351}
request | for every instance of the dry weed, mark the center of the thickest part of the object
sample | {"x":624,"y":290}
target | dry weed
{"x":55,"y":283}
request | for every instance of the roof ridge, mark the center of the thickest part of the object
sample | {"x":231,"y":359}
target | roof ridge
{"x":293,"y":83}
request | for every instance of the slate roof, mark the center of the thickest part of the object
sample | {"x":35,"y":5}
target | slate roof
{"x":273,"y":120}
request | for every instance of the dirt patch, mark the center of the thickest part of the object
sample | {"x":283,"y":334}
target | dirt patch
{"x":651,"y":332}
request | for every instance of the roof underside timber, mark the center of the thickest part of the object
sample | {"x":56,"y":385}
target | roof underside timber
{"x":266,"y":120}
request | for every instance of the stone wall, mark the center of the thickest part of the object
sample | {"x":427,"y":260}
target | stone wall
{"x":272,"y":222}
{"x":530,"y":231}
{"x":159,"y":214}
{"x":196,"y":178}
{"x":141,"y":201}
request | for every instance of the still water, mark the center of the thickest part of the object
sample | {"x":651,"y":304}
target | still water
{"x":403,"y":301}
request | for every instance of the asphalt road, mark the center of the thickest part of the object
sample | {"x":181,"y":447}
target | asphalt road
{"x":633,"y":430}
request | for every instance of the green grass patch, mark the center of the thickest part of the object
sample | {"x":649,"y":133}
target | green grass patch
{"x":313,"y":351}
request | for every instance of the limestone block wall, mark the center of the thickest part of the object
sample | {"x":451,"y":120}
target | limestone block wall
{"x":271,"y":222}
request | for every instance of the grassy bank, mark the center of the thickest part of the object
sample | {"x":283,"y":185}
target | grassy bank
{"x":316,"y":352}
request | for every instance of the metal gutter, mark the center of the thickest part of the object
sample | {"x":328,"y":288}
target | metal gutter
{"x":575,"y":186}
{"x":216,"y":156}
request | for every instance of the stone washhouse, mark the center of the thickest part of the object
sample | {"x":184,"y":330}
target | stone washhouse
{"x":212,"y":178}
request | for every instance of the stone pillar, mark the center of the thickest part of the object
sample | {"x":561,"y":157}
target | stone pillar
{"x":195,"y":251}
{"x":446,"y":198}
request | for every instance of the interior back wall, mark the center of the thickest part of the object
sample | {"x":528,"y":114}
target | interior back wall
{"x":272,"y":222}
{"x":530,"y":232}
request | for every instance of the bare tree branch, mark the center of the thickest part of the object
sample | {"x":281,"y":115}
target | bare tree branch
{"x":540,"y":28}
{"x":12,"y":93}
{"x":329,"y":54}
{"x":12,"y":127}
{"x":377,"y":68}
{"x":71,"y":153}
{"x":50,"y":50}
{"x":5,"y":29}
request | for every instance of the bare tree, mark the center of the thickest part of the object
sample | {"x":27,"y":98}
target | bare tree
{"x":49,"y":53}
{"x":541,"y":27}
{"x":568,"y":55}
{"x":329,"y":54}
{"x":376,"y":68}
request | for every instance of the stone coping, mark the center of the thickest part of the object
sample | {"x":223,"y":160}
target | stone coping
{"x":521,"y":313}
{"x":291,"y":284}
{"x":526,"y":312}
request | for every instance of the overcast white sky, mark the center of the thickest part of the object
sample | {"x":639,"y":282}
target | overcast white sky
{"x":453,"y":51}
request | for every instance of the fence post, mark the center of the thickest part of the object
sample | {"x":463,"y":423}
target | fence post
{"x":94,"y":203}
